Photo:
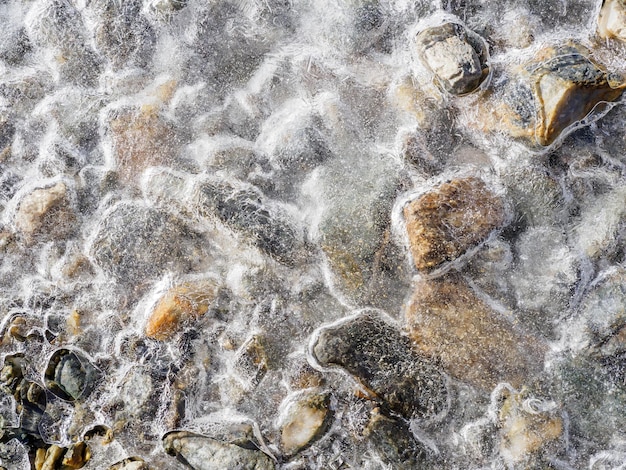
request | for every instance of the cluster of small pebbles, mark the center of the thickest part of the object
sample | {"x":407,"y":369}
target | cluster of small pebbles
{"x":312,"y":234}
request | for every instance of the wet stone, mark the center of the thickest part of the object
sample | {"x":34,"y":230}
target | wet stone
{"x":383,"y":360}
{"x":70,"y":375}
{"x":131,"y":463}
{"x":395,"y":443}
{"x":179,"y":306}
{"x":245,"y":209}
{"x":204,"y":453}
{"x":476,"y":344}
{"x":455,"y":55}
{"x":306,"y":418}
{"x":134,"y":243}
{"x":559,"y":88}
{"x":612,"y":20}
{"x":448,"y":220}
{"x":528,"y":426}
{"x":46,"y":213}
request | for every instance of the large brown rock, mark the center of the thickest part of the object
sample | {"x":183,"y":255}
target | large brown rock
{"x":445,"y":222}
{"x":555,"y":90}
{"x":476,"y":344}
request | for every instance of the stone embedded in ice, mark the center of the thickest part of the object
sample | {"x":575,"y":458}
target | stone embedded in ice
{"x":545,"y":274}
{"x":457,"y":56}
{"x":251,"y":362}
{"x":245,"y":209}
{"x":395,"y":443}
{"x":70,"y":375}
{"x":204,"y":453}
{"x":131,"y":463}
{"x":612,"y":20}
{"x":306,"y":419}
{"x":135,"y":243}
{"x":46,"y":213}
{"x":528,"y":427}
{"x":598,"y":231}
{"x":554,"y":91}
{"x":383,"y":360}
{"x":448,"y":321}
{"x":141,"y":137}
{"x":180,"y":306}
{"x":445,"y":222}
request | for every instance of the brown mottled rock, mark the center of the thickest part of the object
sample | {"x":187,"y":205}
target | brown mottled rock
{"x":612,"y":20}
{"x":445,"y":222}
{"x":141,"y":138}
{"x":476,"y":344}
{"x":180,"y":305}
{"x":557,"y":89}
{"x":305,"y":420}
{"x":46,"y":212}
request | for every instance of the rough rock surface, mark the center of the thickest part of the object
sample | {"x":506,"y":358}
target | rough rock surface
{"x":557,"y":89}
{"x":180,"y":305}
{"x":476,"y":344}
{"x":382,"y":359}
{"x":455,"y":55}
{"x":448,"y":220}
{"x":204,"y":453}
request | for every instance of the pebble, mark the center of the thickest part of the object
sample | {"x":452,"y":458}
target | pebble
{"x":612,"y":20}
{"x":180,"y":306}
{"x":60,"y":458}
{"x":204,"y":453}
{"x":528,"y":426}
{"x":395,"y":443}
{"x":448,"y":321}
{"x":451,"y":218}
{"x":384,"y":361}
{"x":251,"y":362}
{"x":70,"y":375}
{"x":135,"y":242}
{"x":555,"y":90}
{"x":141,"y":137}
{"x":456,"y":56}
{"x":46,"y":213}
{"x":131,"y":463}
{"x":305,"y":419}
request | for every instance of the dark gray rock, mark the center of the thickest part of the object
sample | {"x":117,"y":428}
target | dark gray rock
{"x":383,"y":360}
{"x":70,"y":375}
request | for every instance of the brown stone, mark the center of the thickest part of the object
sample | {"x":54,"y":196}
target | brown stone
{"x":475,"y":344}
{"x":141,"y":138}
{"x":306,"y":419}
{"x":557,"y":89}
{"x":445,"y":222}
{"x":45,"y":212}
{"x":179,"y":306}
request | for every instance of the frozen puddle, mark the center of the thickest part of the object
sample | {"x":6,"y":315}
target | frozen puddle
{"x":312,"y":234}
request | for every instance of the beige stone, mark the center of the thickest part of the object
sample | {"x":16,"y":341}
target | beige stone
{"x":449,"y":322}
{"x":141,"y":138}
{"x":445,"y":222}
{"x":179,"y":306}
{"x":305,"y":421}
{"x":612,"y":20}
{"x":45,"y":212}
{"x":525,"y":430}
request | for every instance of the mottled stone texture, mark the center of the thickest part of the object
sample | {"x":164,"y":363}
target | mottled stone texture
{"x":445,"y":222}
{"x":383,"y":360}
{"x":476,"y":344}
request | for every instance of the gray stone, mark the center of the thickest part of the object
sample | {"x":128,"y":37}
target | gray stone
{"x":135,"y":243}
{"x":131,"y":463}
{"x":245,"y":209}
{"x":455,"y":55}
{"x":204,"y":453}
{"x":70,"y":375}
{"x":383,"y":360}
